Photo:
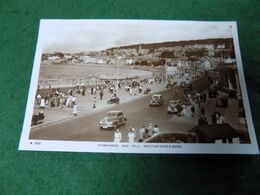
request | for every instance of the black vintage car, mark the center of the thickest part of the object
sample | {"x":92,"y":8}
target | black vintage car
{"x":147,"y":90}
{"x":222,"y":101}
{"x":113,"y":100}
{"x":213,"y":93}
{"x":37,"y":118}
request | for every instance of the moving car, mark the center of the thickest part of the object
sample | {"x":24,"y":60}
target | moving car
{"x":157,"y":100}
{"x":147,"y":90}
{"x":113,"y":119}
{"x":113,"y":100}
{"x":174,"y":107}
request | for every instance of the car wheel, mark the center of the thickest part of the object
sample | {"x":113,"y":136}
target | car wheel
{"x":116,"y":125}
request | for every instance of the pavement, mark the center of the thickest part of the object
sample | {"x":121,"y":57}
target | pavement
{"x":85,"y":104}
{"x":230,"y":113}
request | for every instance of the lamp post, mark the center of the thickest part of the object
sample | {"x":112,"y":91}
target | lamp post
{"x":118,"y":59}
{"x":165,"y":71}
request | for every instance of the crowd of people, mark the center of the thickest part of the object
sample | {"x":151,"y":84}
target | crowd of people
{"x":192,"y":103}
{"x":197,"y":103}
{"x":67,"y":97}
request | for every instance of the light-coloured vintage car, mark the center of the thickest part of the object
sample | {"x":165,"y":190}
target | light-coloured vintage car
{"x":174,"y":107}
{"x":113,"y":119}
{"x":157,"y":100}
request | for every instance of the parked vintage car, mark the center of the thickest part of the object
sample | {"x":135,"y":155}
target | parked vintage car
{"x":174,"y":107}
{"x":213,"y":93}
{"x":157,"y":100}
{"x":37,"y":118}
{"x":232,"y":93}
{"x":169,"y":85}
{"x":222,"y":101}
{"x":185,"y":84}
{"x":113,"y":119}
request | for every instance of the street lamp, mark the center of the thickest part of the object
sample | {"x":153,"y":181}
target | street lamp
{"x":118,"y":59}
{"x":166,"y":76}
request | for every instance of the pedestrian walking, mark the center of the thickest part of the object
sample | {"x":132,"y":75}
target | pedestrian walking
{"x":75,"y":109}
{"x":175,"y":93}
{"x":192,"y":110}
{"x":47,"y":101}
{"x":94,"y":103}
{"x":67,"y":101}
{"x":156,"y":130}
{"x":150,"y":129}
{"x":141,"y":134}
{"x":73,"y":99}
{"x":214,"y":118}
{"x":111,"y":89}
{"x":140,"y":88}
{"x":84,"y":91}
{"x":184,"y":111}
{"x":130,"y":91}
{"x":38,"y":99}
{"x":42,"y":103}
{"x":101,"y":94}
{"x":202,"y":111}
{"x":220,"y":119}
{"x":117,"y":136}
{"x":62,"y":100}
{"x":204,"y":97}
{"x":131,"y":136}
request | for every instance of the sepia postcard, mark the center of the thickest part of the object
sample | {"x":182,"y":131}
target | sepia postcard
{"x":138,"y":86}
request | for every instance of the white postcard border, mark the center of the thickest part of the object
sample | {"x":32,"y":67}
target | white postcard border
{"x":110,"y":147}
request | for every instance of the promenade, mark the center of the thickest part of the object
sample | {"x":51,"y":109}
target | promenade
{"x":85,"y":103}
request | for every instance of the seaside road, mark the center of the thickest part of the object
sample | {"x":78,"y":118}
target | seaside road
{"x":138,"y":113}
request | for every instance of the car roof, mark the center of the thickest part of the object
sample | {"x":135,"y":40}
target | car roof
{"x":174,"y":100}
{"x":157,"y":94}
{"x":114,"y":111}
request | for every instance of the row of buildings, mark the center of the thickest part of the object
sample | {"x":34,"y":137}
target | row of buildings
{"x":207,"y":53}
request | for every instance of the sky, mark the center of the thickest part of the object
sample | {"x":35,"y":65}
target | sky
{"x":94,"y":35}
